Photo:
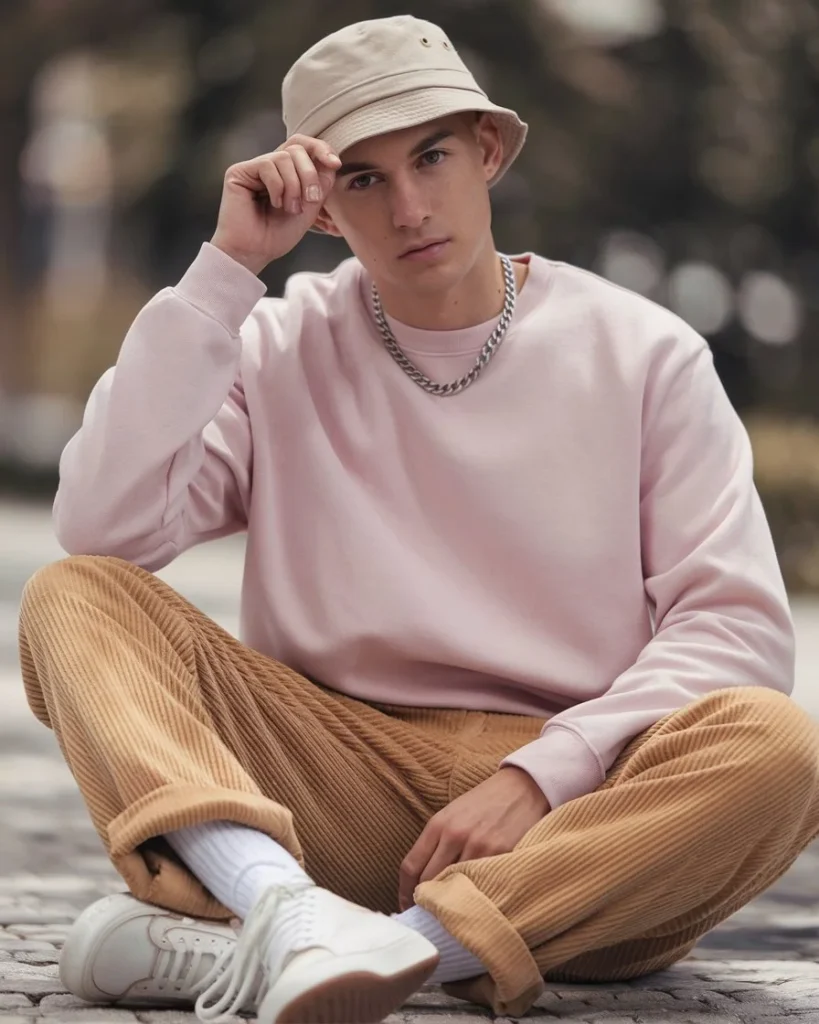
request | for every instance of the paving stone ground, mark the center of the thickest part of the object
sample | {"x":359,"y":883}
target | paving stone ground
{"x":760,"y":967}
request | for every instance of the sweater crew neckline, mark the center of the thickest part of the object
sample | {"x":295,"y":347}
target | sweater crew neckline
{"x":464,"y":340}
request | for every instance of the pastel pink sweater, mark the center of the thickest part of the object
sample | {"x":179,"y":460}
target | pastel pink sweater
{"x":576,"y":536}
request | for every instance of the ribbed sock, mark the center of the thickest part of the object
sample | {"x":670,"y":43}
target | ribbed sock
{"x":456,"y":963}
{"x":235,"y":863}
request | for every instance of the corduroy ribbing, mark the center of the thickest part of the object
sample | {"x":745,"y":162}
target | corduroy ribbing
{"x":167,"y":721}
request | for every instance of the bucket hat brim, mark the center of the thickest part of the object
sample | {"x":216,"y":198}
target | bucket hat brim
{"x":409,"y":109}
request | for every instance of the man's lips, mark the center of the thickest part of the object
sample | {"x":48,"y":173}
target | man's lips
{"x":422,"y":246}
{"x":431,"y":247}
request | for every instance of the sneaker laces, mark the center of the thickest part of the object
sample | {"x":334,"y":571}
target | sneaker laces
{"x":245,"y":972}
{"x":178,"y":967}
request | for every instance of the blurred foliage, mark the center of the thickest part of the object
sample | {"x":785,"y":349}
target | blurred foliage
{"x":682,"y":131}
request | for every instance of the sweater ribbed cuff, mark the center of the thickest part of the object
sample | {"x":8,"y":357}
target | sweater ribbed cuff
{"x":220,"y":287}
{"x":561,"y":763}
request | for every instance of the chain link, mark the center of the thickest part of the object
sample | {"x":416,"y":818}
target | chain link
{"x":486,"y":353}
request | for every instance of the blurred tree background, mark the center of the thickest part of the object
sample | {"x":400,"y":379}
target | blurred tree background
{"x":673,"y":148}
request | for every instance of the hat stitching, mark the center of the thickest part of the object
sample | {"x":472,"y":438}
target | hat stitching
{"x":344,"y":117}
{"x":377,"y":78}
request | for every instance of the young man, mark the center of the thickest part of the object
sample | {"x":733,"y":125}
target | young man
{"x":512,"y":701}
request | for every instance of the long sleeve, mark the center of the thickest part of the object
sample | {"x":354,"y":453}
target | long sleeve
{"x":163,"y":458}
{"x":721,"y":616}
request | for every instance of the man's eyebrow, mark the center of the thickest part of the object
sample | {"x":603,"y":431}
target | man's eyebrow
{"x":417,"y":150}
{"x":431,"y":140}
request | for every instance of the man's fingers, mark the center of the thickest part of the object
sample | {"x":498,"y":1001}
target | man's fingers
{"x":488,"y":845}
{"x":324,"y":155}
{"x":427,"y":859}
{"x":330,"y":160}
{"x":315,"y":164}
{"x":326,"y":180}
{"x":316,"y":150}
{"x":272,"y":181}
{"x":447,"y":852}
{"x":308,"y":175}
{"x":415,"y":862}
{"x":292,"y":198}
{"x":320,"y":164}
{"x":408,"y":876}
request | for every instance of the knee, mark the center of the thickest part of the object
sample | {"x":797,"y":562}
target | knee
{"x":59,"y":603}
{"x":42,"y":625}
{"x":77,"y":574}
{"x":779,"y":740}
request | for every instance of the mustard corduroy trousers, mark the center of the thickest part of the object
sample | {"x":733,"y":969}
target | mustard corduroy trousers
{"x":166,"y":721}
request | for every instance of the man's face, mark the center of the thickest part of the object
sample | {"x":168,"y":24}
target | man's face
{"x":397,"y":193}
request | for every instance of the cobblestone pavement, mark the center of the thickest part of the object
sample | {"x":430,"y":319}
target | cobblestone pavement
{"x":760,"y":966}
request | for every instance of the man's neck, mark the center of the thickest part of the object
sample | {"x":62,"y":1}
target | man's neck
{"x":476,"y":298}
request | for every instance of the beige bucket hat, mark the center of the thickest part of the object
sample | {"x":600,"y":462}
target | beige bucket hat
{"x":379,"y":76}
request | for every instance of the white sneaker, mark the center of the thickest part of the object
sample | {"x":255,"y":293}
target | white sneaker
{"x":324,"y":960}
{"x":125,"y":951}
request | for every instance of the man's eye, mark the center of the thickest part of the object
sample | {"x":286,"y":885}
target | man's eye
{"x":361,"y":182}
{"x":433,"y":156}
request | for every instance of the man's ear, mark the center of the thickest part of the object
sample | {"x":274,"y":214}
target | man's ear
{"x":489,"y":140}
{"x":324,"y":222}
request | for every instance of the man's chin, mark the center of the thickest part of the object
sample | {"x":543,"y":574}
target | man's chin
{"x":425,"y":276}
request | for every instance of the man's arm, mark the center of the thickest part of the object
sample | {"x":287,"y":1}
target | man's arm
{"x":163,"y":458}
{"x":720,"y":607}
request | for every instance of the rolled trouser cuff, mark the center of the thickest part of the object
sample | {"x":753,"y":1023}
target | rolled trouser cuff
{"x":150,"y":867}
{"x":513,"y":981}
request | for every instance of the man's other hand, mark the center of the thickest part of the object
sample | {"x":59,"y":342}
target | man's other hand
{"x":490,"y":819}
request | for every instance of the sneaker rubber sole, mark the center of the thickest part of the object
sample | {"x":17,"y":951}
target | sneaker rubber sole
{"x":359,"y":989}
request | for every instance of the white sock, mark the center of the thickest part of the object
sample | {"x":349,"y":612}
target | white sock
{"x":235,"y":863}
{"x":456,"y":963}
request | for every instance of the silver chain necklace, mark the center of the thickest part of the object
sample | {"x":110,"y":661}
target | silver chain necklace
{"x":486,"y":353}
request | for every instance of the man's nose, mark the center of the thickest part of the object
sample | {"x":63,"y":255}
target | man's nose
{"x":410,"y":206}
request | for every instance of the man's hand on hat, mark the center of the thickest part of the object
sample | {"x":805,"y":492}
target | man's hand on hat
{"x":269,"y":203}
